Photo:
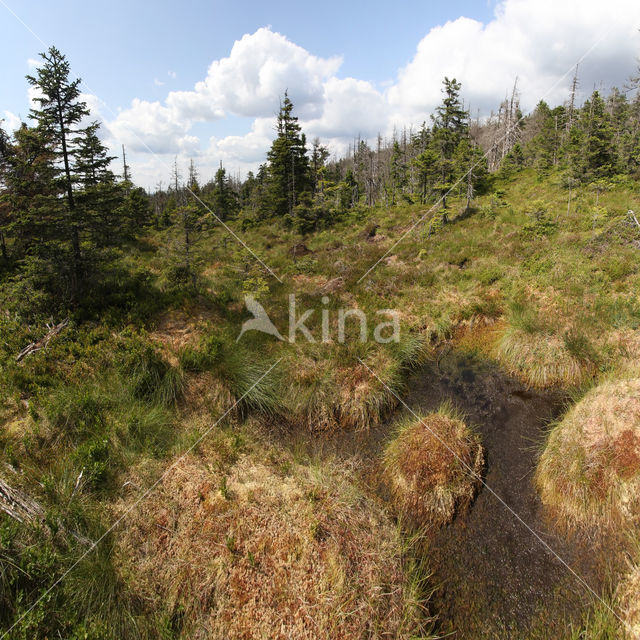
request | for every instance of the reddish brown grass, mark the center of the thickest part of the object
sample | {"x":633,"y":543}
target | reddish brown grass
{"x":427,"y":465}
{"x":260,"y":552}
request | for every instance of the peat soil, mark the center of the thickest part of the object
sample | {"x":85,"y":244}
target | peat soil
{"x":494,"y":578}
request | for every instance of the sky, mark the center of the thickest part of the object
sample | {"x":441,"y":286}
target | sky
{"x":204,"y":79}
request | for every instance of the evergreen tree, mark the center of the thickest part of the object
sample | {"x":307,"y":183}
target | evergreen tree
{"x":427,"y":172}
{"x":449,"y":127}
{"x":61,"y":110}
{"x":5,"y":211}
{"x":397,"y":171}
{"x":319,"y":156}
{"x":545,"y":128}
{"x":588,"y":151}
{"x":288,"y":165}
{"x":31,"y":198}
{"x":599,"y":152}
{"x":224,"y":198}
{"x":89,"y":220}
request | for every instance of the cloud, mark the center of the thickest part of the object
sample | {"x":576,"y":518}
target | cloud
{"x":259,"y":69}
{"x":11,"y":121}
{"x":535,"y":41}
{"x":151,"y":127}
{"x":350,"y":107}
{"x":157,"y":82}
{"x":245,"y":150}
{"x":249,"y":82}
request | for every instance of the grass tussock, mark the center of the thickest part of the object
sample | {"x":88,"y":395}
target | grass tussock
{"x":589,"y":471}
{"x":433,"y":467}
{"x":267,"y":548}
{"x":544,"y":359}
{"x":353,"y":388}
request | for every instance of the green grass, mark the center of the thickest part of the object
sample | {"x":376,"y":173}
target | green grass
{"x":104,"y":397}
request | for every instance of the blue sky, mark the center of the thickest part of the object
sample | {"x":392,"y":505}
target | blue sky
{"x":120,"y":47}
{"x":352,"y":69}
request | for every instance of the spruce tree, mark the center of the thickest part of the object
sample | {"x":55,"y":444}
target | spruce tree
{"x":397,"y":172}
{"x":31,"y":200}
{"x":224,"y":199}
{"x":5,"y":212}
{"x":449,"y":127}
{"x":288,"y":165}
{"x":89,"y":212}
{"x":600,"y":153}
{"x":60,"y":112}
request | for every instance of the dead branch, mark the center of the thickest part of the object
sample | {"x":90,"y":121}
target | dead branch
{"x":19,"y":505}
{"x":54,"y":330}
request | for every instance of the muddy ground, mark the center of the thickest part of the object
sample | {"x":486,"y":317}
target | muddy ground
{"x":493,"y":578}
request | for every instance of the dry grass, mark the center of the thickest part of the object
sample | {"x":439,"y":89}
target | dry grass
{"x":626,"y":347}
{"x":265,"y":548}
{"x":629,"y":601}
{"x":589,"y":472}
{"x":205,"y":393}
{"x":174,"y":331}
{"x":540,"y":359}
{"x":362,"y":399}
{"x":328,"y":394}
{"x":429,"y":474}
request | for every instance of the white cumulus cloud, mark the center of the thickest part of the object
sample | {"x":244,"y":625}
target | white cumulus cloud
{"x":536,"y":41}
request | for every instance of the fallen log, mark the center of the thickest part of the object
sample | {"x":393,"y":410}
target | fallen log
{"x":54,"y":330}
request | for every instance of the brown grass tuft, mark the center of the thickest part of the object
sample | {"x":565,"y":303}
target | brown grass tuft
{"x":174,"y":331}
{"x":541,"y":359}
{"x":428,"y":475}
{"x":266,"y":550}
{"x":326,"y":396}
{"x":589,"y":472}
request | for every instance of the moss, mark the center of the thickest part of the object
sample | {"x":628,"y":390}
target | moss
{"x":433,"y":466}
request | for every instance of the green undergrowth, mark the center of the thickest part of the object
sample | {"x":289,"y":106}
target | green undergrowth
{"x":544,"y":286}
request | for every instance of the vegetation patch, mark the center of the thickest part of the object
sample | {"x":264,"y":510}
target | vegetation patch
{"x":589,"y":471}
{"x":629,"y":601}
{"x":433,"y":466}
{"x":542,"y":359}
{"x":268,"y":548}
